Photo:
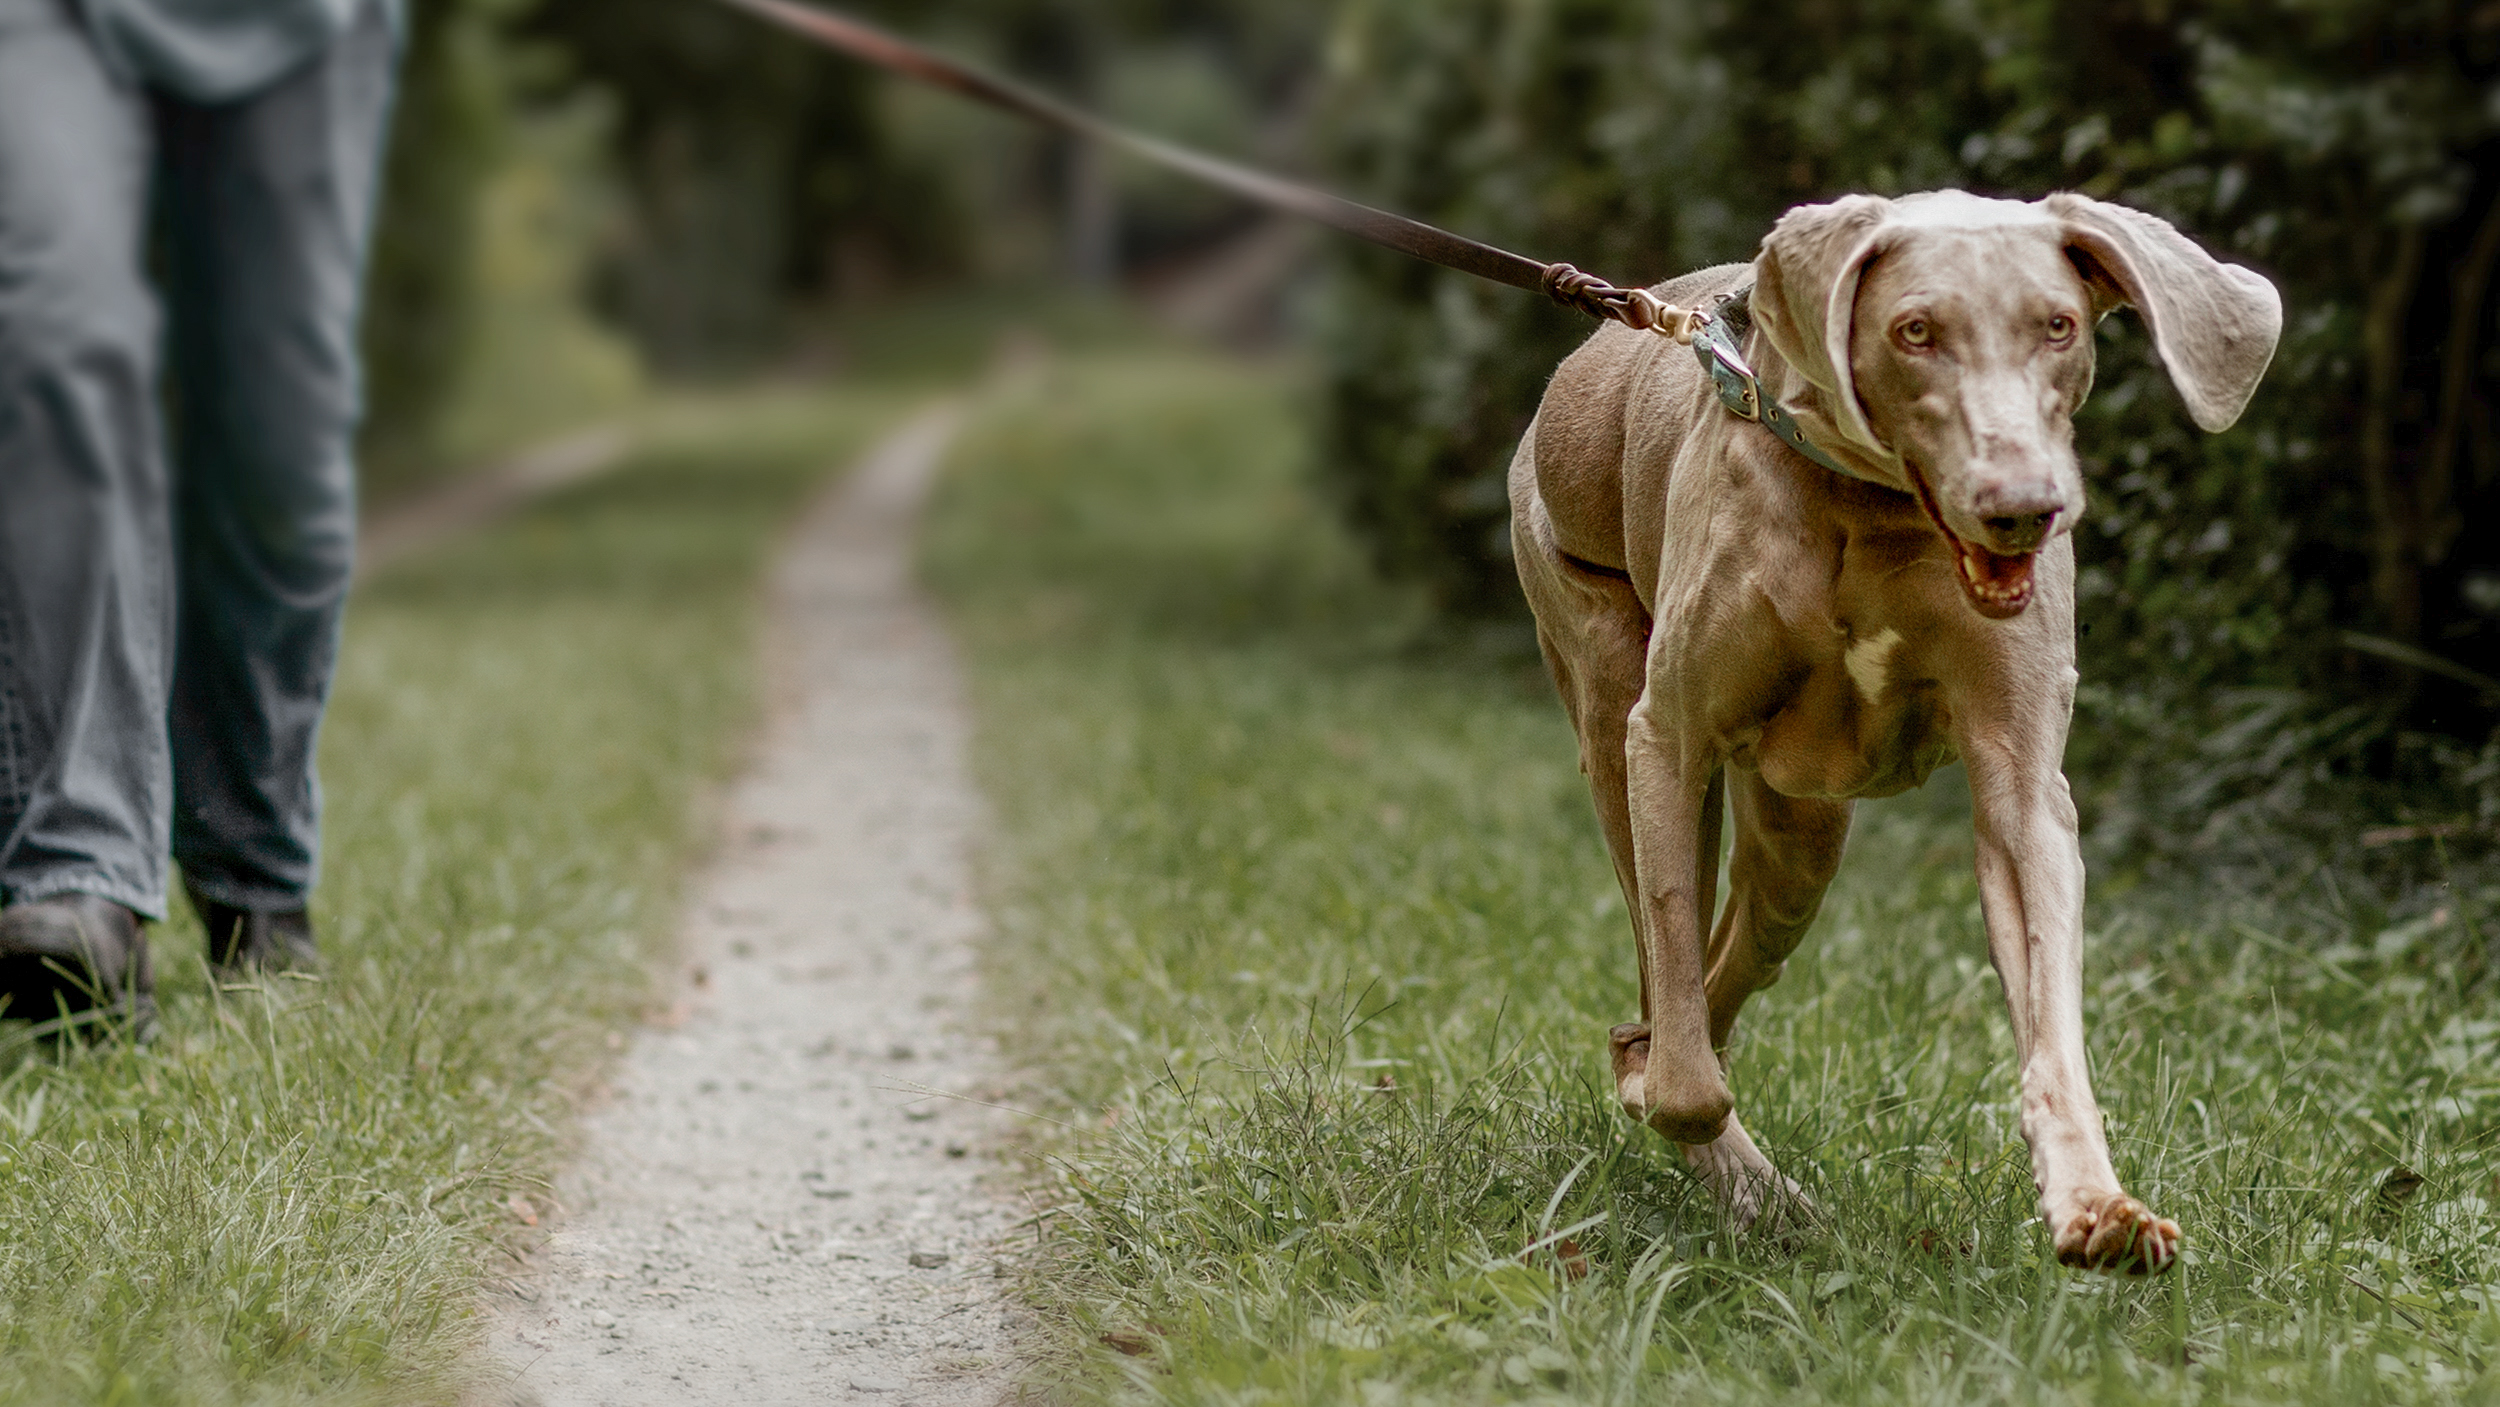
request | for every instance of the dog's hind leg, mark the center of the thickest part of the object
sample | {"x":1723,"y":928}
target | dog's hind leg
{"x":1590,"y":666}
{"x":1787,"y":849}
{"x":1743,"y":1181}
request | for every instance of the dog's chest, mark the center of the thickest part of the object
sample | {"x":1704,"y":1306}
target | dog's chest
{"x":1858,"y":712}
{"x":1858,"y":725}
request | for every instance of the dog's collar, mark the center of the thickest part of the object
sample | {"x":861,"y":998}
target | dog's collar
{"x":1716,"y":334}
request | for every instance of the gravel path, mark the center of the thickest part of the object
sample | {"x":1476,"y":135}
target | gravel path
{"x":770,"y":1210}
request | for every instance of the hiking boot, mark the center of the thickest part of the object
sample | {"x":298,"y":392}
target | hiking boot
{"x":257,"y":940}
{"x":77,"y":958}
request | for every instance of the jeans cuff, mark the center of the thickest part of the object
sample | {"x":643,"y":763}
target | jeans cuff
{"x":260,"y":899}
{"x":135,"y":898}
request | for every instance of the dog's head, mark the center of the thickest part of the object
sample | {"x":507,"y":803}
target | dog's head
{"x":1948,"y":339}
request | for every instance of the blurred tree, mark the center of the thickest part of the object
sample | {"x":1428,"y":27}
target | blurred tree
{"x":768,"y":176}
{"x":1221,"y":74}
{"x":758,"y":173}
{"x":764,"y":179}
{"x":448,"y":135}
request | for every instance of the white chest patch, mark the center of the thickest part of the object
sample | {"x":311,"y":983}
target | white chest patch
{"x":1866,"y":660}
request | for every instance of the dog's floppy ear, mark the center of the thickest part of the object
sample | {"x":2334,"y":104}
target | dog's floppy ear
{"x":1805,"y":295}
{"x":2214,"y":324}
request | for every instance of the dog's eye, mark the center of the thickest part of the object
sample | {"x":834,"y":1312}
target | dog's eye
{"x":2061,"y":327}
{"x":1917,"y":333}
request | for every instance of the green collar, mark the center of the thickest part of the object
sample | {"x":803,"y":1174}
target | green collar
{"x":1715,"y":338}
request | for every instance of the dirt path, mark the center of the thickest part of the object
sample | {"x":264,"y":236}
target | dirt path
{"x":769,"y":1212}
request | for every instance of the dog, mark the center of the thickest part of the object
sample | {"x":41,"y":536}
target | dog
{"x":1734,"y":625}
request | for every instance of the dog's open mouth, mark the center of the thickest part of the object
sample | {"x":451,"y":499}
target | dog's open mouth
{"x":1997,"y":586}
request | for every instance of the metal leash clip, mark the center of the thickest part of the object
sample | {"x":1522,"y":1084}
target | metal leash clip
{"x":1648,"y":310}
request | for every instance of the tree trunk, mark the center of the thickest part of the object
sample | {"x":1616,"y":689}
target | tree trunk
{"x":2396,"y":536}
{"x":2468,"y":286}
{"x":1093,"y":216}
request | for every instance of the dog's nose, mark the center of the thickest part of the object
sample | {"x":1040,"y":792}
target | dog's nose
{"x":2015,"y":533}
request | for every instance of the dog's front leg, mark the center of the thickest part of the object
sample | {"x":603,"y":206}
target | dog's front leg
{"x":2030,"y":867}
{"x":1674,"y":1084}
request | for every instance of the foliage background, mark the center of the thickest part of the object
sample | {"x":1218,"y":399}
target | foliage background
{"x":733,"y":197}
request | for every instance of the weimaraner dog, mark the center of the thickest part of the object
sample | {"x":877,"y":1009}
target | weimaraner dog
{"x":1732,"y":623}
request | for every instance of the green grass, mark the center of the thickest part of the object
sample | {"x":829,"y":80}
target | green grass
{"x":1306,"y":923}
{"x":297,"y":1195}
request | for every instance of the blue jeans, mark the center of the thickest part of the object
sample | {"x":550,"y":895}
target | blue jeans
{"x":178,"y":398}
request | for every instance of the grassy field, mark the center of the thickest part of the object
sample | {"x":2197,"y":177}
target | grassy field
{"x":1306,"y":922}
{"x":296,"y":1194}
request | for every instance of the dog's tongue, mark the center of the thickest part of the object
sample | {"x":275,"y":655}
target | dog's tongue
{"x":1998,"y":587}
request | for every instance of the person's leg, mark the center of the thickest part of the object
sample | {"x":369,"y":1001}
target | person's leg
{"x":85,"y":589}
{"x":85,"y":585}
{"x":267,"y":206}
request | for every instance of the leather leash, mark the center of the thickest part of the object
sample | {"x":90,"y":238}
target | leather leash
{"x":1634,"y":307}
{"x":1713,"y":339}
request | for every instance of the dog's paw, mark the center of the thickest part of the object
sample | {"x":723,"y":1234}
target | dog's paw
{"x":1764,"y":1204}
{"x":1691,"y":1109}
{"x":2113,"y":1231}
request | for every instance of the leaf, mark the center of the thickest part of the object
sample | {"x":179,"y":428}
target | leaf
{"x":2397,"y":1188}
{"x":1936,"y":1243}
